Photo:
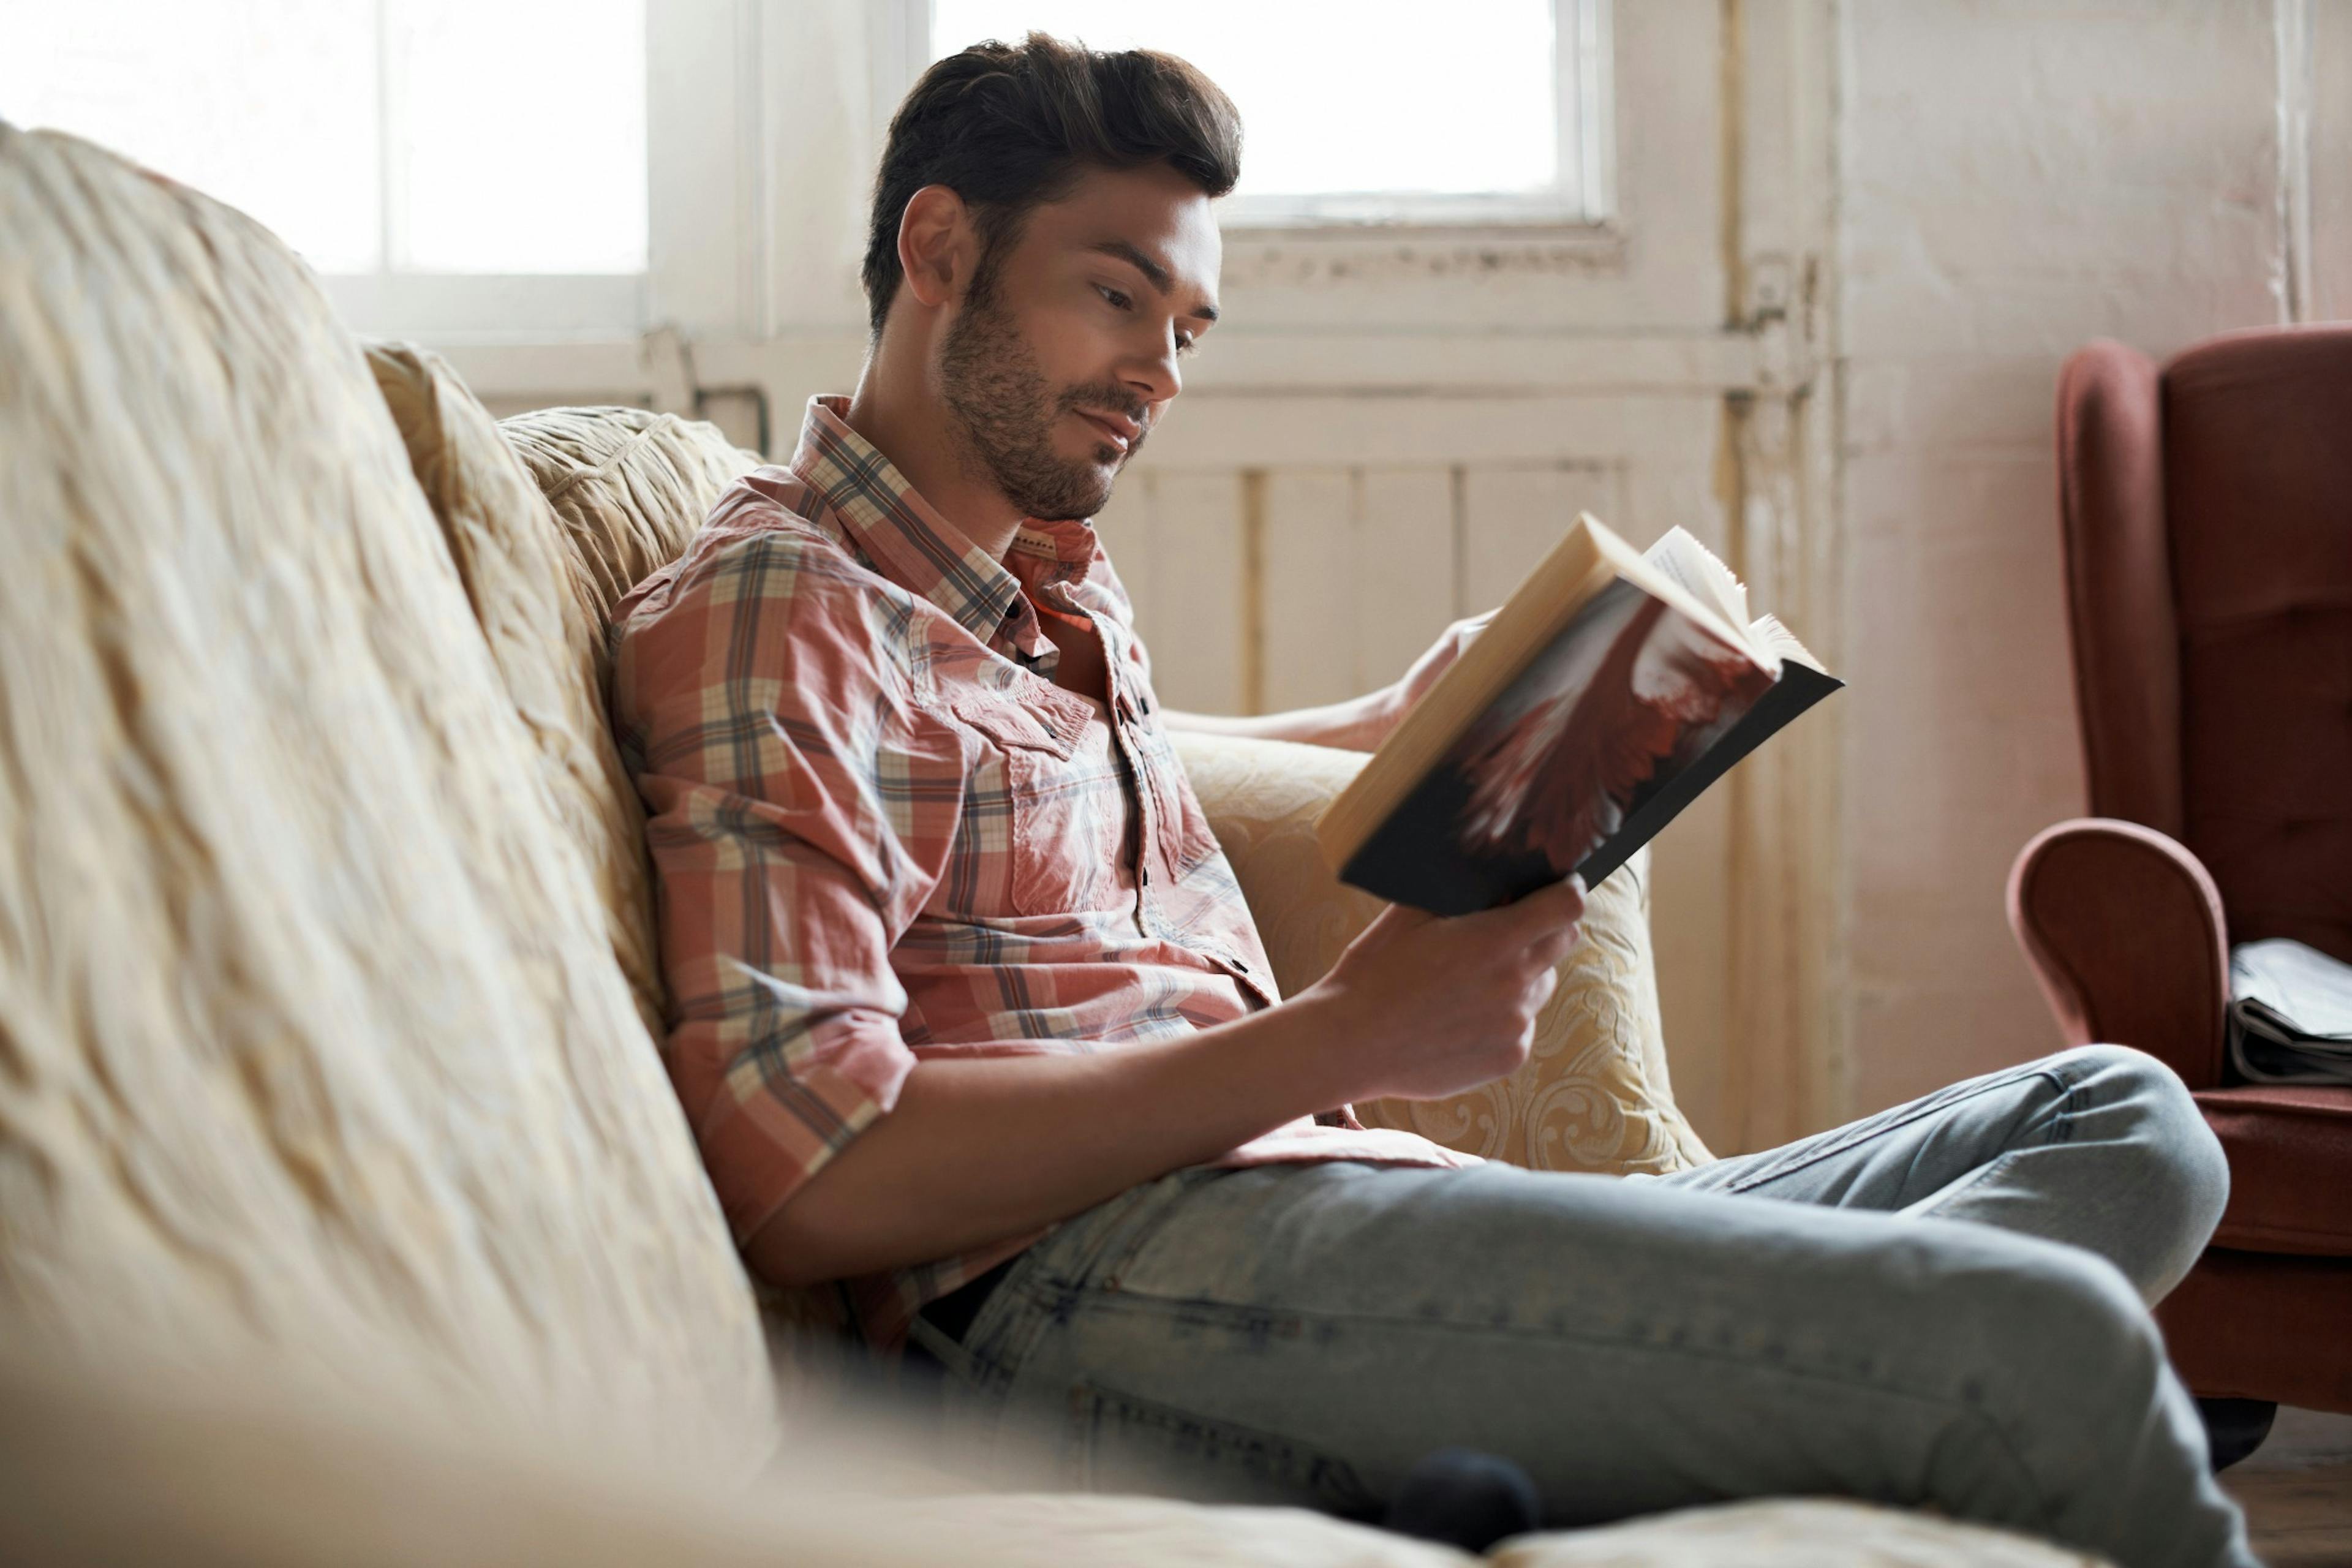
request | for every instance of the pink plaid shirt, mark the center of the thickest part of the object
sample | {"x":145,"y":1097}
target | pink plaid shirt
{"x":882,"y":834}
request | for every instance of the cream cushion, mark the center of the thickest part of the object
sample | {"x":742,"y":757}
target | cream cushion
{"x":539,"y":586}
{"x":525,"y":586}
{"x":131,"y":1470}
{"x":314,"y":1048}
{"x":630,"y":488}
{"x":1593,"y":1094}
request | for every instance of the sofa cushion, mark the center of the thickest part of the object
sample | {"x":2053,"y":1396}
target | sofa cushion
{"x":1593,"y":1094}
{"x":2290,"y":1148}
{"x":533,"y":581}
{"x":630,"y":487}
{"x":131,"y":1469}
{"x":315,"y":1049}
{"x":521,"y":578}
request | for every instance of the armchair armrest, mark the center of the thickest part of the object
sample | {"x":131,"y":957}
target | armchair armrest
{"x":1593,"y":1094}
{"x":2124,"y":928}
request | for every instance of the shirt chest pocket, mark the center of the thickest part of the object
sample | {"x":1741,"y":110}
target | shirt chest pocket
{"x":1045,"y":809}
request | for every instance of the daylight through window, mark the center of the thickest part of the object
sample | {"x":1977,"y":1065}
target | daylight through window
{"x":375,"y":136}
{"x":1368,"y":109}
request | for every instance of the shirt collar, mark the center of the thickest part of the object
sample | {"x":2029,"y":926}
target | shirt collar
{"x":915,"y":547}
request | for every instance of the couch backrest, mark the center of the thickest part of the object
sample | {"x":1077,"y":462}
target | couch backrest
{"x":313,"y":1047}
{"x":2257,"y":432}
{"x":625,"y":490}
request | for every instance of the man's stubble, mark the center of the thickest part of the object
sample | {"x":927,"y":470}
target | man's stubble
{"x":1005,"y":415}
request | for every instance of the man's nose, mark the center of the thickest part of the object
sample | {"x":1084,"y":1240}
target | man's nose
{"x":1158,"y":377}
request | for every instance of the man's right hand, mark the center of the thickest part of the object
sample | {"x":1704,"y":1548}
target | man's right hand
{"x":980,"y":1149}
{"x":1436,"y":1005}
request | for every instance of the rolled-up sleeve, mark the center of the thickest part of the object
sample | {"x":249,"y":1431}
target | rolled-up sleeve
{"x":799,"y":809}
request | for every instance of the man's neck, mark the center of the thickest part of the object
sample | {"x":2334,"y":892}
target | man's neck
{"x":918,"y":437}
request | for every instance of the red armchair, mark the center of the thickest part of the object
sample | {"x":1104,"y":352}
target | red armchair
{"x":2207,"y":513}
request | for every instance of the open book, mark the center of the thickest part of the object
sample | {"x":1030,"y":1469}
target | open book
{"x":1606,"y":694}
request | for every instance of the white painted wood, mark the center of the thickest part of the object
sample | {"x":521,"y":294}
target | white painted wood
{"x":704,"y":127}
{"x":1404,"y":553}
{"x":2329,"y":139}
{"x":1512,"y":516}
{"x":1194,"y":559}
{"x":1436,"y":431}
{"x":1310,"y":596}
{"x":1126,"y":526}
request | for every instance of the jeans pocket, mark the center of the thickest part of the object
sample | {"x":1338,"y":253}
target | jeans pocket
{"x":1121,"y":1442}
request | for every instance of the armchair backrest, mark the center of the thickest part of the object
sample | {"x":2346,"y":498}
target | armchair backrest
{"x":2207,"y":510}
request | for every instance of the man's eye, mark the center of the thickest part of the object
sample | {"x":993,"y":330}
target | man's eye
{"x":1186,"y":344}
{"x":1118,"y":301}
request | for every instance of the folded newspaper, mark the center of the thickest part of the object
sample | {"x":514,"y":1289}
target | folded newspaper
{"x":2290,"y":1014}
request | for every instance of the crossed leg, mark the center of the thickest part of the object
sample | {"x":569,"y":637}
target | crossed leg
{"x":1804,"y":1320}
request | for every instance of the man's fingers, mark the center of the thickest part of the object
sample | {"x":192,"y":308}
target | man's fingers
{"x":1554,"y":947}
{"x":1393,"y":922}
{"x":1561,"y":903}
{"x":1401,"y":917}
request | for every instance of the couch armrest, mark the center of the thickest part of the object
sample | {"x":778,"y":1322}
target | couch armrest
{"x":2125,"y":929}
{"x":1593,"y":1094}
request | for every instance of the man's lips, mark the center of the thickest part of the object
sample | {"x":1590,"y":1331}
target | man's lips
{"x":1118,"y":427}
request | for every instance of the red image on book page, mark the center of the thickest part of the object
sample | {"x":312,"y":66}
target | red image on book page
{"x":1629,"y":692}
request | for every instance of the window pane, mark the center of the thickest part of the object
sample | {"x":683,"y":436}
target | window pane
{"x":1339,"y":96}
{"x":519,"y":134}
{"x":269,"y":105}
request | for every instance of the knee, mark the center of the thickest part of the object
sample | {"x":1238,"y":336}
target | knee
{"x":2072,"y":1330}
{"x":2177,"y":1172}
{"x":2071,"y":1407}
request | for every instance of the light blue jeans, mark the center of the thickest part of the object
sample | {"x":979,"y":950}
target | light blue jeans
{"x":1945,"y":1305}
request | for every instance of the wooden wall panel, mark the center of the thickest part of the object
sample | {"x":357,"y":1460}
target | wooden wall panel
{"x":1311,"y":604}
{"x":1179,"y":541}
{"x":1408,"y":549}
{"x":1512,"y":514}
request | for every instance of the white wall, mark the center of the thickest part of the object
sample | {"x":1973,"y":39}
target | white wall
{"x":2016,"y":179}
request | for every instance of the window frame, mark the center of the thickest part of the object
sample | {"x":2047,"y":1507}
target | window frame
{"x":1584,"y":199}
{"x":491,"y":307}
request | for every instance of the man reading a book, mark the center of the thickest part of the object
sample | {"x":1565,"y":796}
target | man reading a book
{"x":969,"y":1014}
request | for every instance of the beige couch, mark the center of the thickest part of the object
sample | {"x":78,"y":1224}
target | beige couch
{"x":345,"y":1211}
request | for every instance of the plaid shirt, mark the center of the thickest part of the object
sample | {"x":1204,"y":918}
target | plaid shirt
{"x":882,"y":834}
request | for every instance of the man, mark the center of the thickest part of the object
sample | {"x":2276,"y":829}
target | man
{"x":969,"y":1016}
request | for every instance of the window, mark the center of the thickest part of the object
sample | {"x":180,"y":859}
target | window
{"x":1469,"y":111}
{"x":443,"y":163}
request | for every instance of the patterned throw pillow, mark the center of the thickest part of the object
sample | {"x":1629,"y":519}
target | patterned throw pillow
{"x":630,"y":488}
{"x":1593,"y":1094}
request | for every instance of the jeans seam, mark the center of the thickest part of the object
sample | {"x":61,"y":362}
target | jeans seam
{"x":2062,"y":1130}
{"x":1798,"y":1373}
{"x":1775,"y":1173}
{"x":2024,"y":1472}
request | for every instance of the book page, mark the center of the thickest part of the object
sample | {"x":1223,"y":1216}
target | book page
{"x":1777,"y":640}
{"x":1698,"y":571}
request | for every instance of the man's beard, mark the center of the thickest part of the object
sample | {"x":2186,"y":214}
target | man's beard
{"x":996,"y":391}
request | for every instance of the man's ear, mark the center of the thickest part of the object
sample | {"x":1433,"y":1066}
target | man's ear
{"x":938,"y":244}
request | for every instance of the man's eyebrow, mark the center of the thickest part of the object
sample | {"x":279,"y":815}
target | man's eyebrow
{"x":1158,"y":275}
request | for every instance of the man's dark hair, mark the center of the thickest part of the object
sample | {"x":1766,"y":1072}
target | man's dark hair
{"x":1009,"y":127}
